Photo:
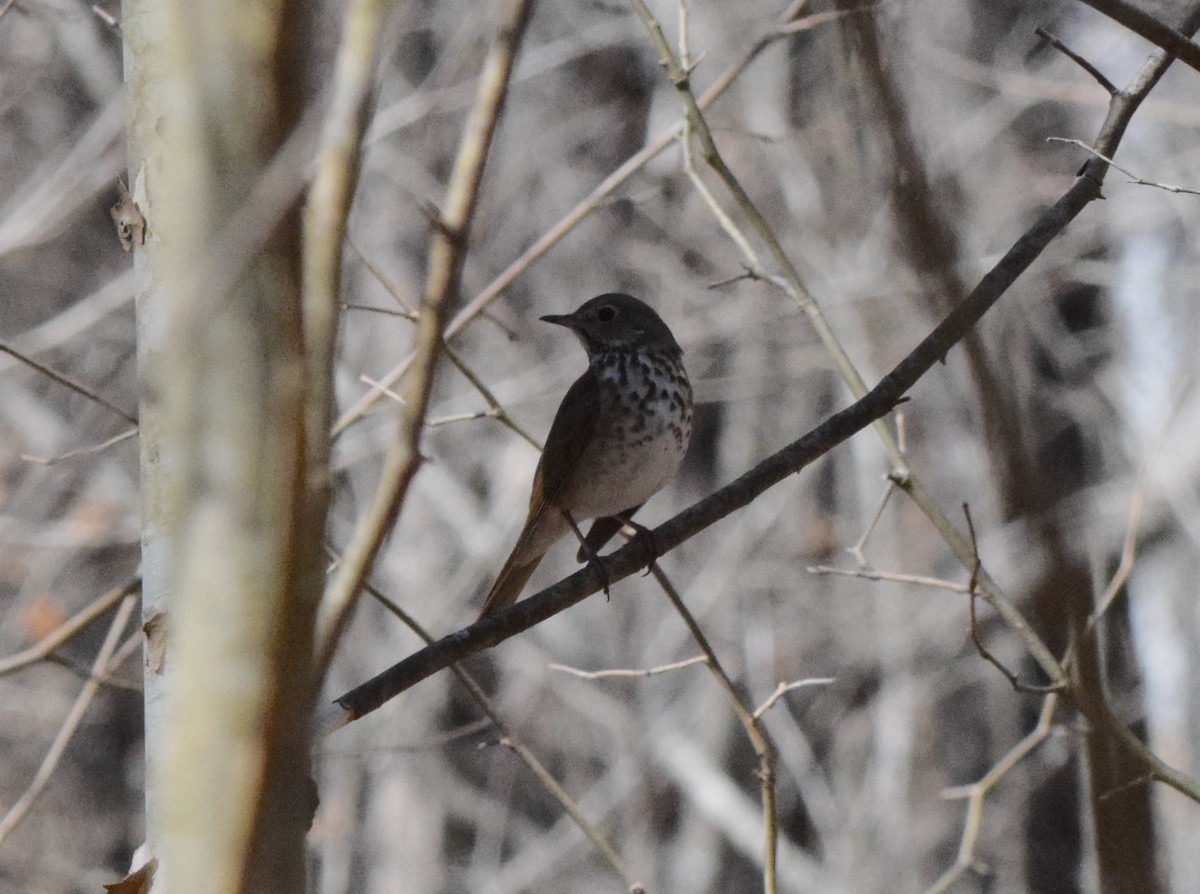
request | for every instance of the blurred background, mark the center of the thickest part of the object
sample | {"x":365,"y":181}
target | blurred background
{"x":897,"y":149}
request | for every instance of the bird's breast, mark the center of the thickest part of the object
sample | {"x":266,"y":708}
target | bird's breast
{"x":641,"y":435}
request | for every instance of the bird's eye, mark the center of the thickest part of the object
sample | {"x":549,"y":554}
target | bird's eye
{"x":606,"y":313}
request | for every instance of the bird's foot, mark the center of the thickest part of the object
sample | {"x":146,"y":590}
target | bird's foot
{"x":590,"y":555}
{"x":596,"y":562}
{"x":651,"y":548}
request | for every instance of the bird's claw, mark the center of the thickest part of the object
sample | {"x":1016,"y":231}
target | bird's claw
{"x":650,"y":545}
{"x":595,"y":561}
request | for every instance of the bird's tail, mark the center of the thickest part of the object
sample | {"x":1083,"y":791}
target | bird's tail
{"x":508,"y":586}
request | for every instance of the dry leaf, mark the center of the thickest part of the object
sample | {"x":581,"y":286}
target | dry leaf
{"x":41,"y":617}
{"x":137,"y":882}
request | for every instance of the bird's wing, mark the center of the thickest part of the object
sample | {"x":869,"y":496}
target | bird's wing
{"x":573,"y":429}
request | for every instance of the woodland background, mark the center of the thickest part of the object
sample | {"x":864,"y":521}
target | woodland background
{"x":897,"y":149}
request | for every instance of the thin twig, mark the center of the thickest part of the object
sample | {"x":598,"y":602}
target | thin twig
{"x":68,"y":382}
{"x":131,"y":646}
{"x":1133,"y":178}
{"x":589,"y":203}
{"x":634,"y":672}
{"x":791,"y":282}
{"x":1077,"y":59}
{"x":1136,"y":782}
{"x":513,"y":743}
{"x":81,"y":451}
{"x":689,"y":165}
{"x":407,"y":310}
{"x":106,"y":17}
{"x":784,"y":688}
{"x":858,"y":549}
{"x":1128,"y":553}
{"x":977,"y":792}
{"x":983,"y":651}
{"x":894,"y":577}
{"x":460,"y":417}
{"x":409,"y":315}
{"x":759,"y":740}
{"x":497,"y":409}
{"x":386,"y":391}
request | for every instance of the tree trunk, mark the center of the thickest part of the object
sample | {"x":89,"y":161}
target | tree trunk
{"x":232,"y":519}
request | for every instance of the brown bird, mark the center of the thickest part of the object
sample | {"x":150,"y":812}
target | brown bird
{"x":619,"y":435}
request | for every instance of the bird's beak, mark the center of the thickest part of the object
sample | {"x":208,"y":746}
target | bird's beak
{"x":567,"y":320}
{"x":573,"y":323}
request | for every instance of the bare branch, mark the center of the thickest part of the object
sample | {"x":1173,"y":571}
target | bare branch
{"x":325,"y":214}
{"x":858,"y":549}
{"x":978,"y":791}
{"x":82,"y":451}
{"x":509,"y":740}
{"x":1077,"y":59}
{"x":65,"y":631}
{"x":1142,"y":23}
{"x":784,"y":688}
{"x":1128,"y":553}
{"x":892,"y":576}
{"x":764,"y":749}
{"x":572,"y":218}
{"x":74,"y":717}
{"x":497,"y":409}
{"x":68,"y":382}
{"x":790,"y":281}
{"x":446,"y":253}
{"x":983,"y":651}
{"x":637,"y":672}
{"x":1133,"y":178}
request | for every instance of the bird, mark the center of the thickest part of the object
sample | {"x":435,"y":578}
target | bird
{"x":619,"y":435}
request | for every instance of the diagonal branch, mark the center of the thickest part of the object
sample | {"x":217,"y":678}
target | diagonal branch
{"x":751,"y":722}
{"x":446,"y":252}
{"x":326,"y":211}
{"x":68,"y":629}
{"x":45,"y":772}
{"x":790,"y":281}
{"x":67,"y":382}
{"x":1175,"y":42}
{"x":873,"y":405}
{"x":511,"y":741}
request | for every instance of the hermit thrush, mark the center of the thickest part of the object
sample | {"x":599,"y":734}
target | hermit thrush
{"x":619,"y":435}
